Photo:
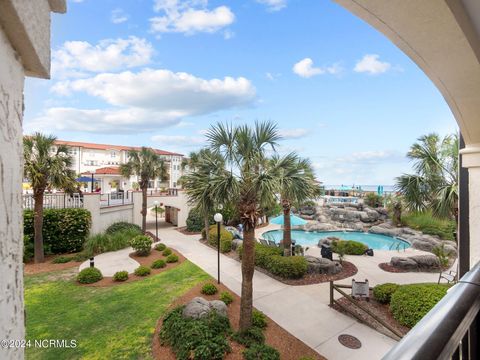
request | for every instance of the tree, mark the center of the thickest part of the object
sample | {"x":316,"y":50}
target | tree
{"x":197,"y":184}
{"x":147,"y":165}
{"x":46,"y":165}
{"x":435,"y":182}
{"x":250,"y":184}
{"x":295,"y":184}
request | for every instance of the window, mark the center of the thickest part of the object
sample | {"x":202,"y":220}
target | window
{"x":113,"y":154}
{"x":174,"y":184}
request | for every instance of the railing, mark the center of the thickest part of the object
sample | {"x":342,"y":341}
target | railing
{"x":340,"y":199}
{"x":54,"y":201}
{"x":116,"y":199}
{"x":451,"y":330}
{"x":167,"y":192}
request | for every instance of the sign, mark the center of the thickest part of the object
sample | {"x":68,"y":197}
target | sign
{"x":360,"y":289}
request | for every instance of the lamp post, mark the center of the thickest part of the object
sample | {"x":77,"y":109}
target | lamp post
{"x":156,"y":219}
{"x":218,"y":218}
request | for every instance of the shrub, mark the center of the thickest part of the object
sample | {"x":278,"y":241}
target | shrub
{"x":383,"y":293}
{"x":195,"y":221}
{"x":226,"y":238}
{"x":226,"y":297}
{"x":89,"y":275}
{"x":81,"y":256}
{"x":259,"y":319}
{"x":101,"y":243}
{"x":120,"y":276}
{"x":350,"y":247}
{"x":172,"y":258}
{"x":288,"y":267}
{"x":28,"y":249}
{"x":64,"y":230}
{"x":209,"y":289}
{"x":62,"y":259}
{"x":160,"y":247}
{"x":373,"y":200}
{"x":410,"y":303}
{"x":428,"y":224}
{"x":142,"y":271}
{"x":249,"y":337}
{"x":123,"y":225}
{"x":199,"y":339}
{"x":142,"y":244}
{"x":261,"y":352}
{"x":167,"y":252}
{"x":158,"y":264}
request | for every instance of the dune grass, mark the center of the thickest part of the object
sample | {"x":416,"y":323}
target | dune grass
{"x":428,"y":224}
{"x":107,"y":323}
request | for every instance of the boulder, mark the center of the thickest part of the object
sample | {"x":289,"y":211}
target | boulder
{"x":199,"y":308}
{"x":404,"y":263}
{"x":382,"y":211}
{"x":426,"y":261}
{"x":385,"y":231}
{"x":318,"y":265}
{"x":422,"y":245}
{"x":236,"y":243}
{"x":450,"y":250}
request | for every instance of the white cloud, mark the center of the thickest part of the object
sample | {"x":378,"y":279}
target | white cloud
{"x":293,"y":133}
{"x":189,"y":17}
{"x":118,"y":16}
{"x":371,"y":64}
{"x":274,"y":5}
{"x":306,"y":69}
{"x":74,"y":58}
{"x":178,"y":140}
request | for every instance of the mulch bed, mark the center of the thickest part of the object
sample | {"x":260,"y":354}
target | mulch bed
{"x":47,"y":266}
{"x":379,"y":309}
{"x":289,"y":346}
{"x":184,"y":231}
{"x":145,"y":261}
{"x":393,"y":269}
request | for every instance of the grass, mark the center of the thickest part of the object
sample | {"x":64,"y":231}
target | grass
{"x":104,"y":242}
{"x":428,"y":224}
{"x":107,"y":323}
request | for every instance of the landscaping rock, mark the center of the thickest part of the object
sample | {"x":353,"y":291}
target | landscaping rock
{"x":318,"y":265}
{"x":198,"y":308}
{"x":236,"y":243}
{"x":404,"y":263}
{"x":426,"y":261}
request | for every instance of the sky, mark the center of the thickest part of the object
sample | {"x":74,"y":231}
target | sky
{"x":160,"y":72}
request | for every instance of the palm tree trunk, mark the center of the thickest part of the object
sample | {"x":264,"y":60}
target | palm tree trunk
{"x":144,"y":209}
{"x":39,"y":256}
{"x":207,"y":228}
{"x":287,"y":229}
{"x":248,"y":268}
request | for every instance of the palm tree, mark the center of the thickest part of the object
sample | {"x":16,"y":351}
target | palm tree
{"x":45,"y":165}
{"x":147,"y":165}
{"x":204,"y":165}
{"x":296,"y":183}
{"x":435,"y":182}
{"x":250,"y":184}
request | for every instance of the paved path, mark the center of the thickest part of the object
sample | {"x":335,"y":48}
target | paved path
{"x":301,"y":310}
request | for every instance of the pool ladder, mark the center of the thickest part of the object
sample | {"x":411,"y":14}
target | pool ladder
{"x":397,"y":246}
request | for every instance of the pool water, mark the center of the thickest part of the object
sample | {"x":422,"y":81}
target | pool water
{"x":310,"y":238}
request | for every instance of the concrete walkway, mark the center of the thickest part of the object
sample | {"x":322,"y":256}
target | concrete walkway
{"x":301,"y":310}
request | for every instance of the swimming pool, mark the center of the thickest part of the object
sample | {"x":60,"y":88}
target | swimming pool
{"x":310,"y":238}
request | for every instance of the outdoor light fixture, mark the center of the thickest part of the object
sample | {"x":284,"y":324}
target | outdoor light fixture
{"x":156,"y":220}
{"x":218,"y":219}
{"x":293,"y":247}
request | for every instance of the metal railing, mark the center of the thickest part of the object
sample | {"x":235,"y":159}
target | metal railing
{"x":451,"y":330}
{"x":166,"y":192}
{"x":54,"y":201}
{"x":116,"y":199}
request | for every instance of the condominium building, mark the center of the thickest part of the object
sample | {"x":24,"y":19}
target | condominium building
{"x":103,"y":162}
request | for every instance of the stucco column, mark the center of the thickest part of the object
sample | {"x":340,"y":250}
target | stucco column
{"x":471,"y":160}
{"x":91,"y":202}
{"x":137,"y":207}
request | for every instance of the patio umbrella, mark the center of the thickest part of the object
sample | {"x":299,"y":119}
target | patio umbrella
{"x":294,"y":220}
{"x":85,"y":179}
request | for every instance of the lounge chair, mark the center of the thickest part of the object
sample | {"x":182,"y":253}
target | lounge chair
{"x":451,"y":275}
{"x":272,"y":243}
{"x":263,"y":242}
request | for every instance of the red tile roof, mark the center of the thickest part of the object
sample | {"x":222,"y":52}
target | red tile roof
{"x":109,"y":170}
{"x":110,"y":147}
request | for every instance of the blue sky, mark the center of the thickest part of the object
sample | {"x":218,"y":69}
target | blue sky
{"x":160,"y":72}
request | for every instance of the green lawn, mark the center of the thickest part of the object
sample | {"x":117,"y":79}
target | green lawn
{"x":107,"y":323}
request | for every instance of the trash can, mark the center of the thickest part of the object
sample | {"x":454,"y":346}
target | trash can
{"x":326,"y":252}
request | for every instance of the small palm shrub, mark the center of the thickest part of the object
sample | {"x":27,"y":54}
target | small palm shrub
{"x":172,"y":258}
{"x":160,"y":247}
{"x":410,"y":303}
{"x":373,"y":200}
{"x":259,"y":319}
{"x":226,"y":297}
{"x":261,"y":352}
{"x":123,"y":225}
{"x":167,"y":252}
{"x":209,"y":289}
{"x":142,"y":244}
{"x":89,"y":275}
{"x":383,"y":293}
{"x":350,"y":247}
{"x":158,"y":264}
{"x":249,"y":337}
{"x":199,"y":339}
{"x":142,"y":271}
{"x":120,"y":276}
{"x":62,"y":259}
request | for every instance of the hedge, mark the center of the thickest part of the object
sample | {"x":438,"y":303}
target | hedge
{"x":64,"y":230}
{"x":350,"y":247}
{"x":410,"y":303}
{"x":226,"y":238}
{"x":383,"y":293}
{"x":195,"y":221}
